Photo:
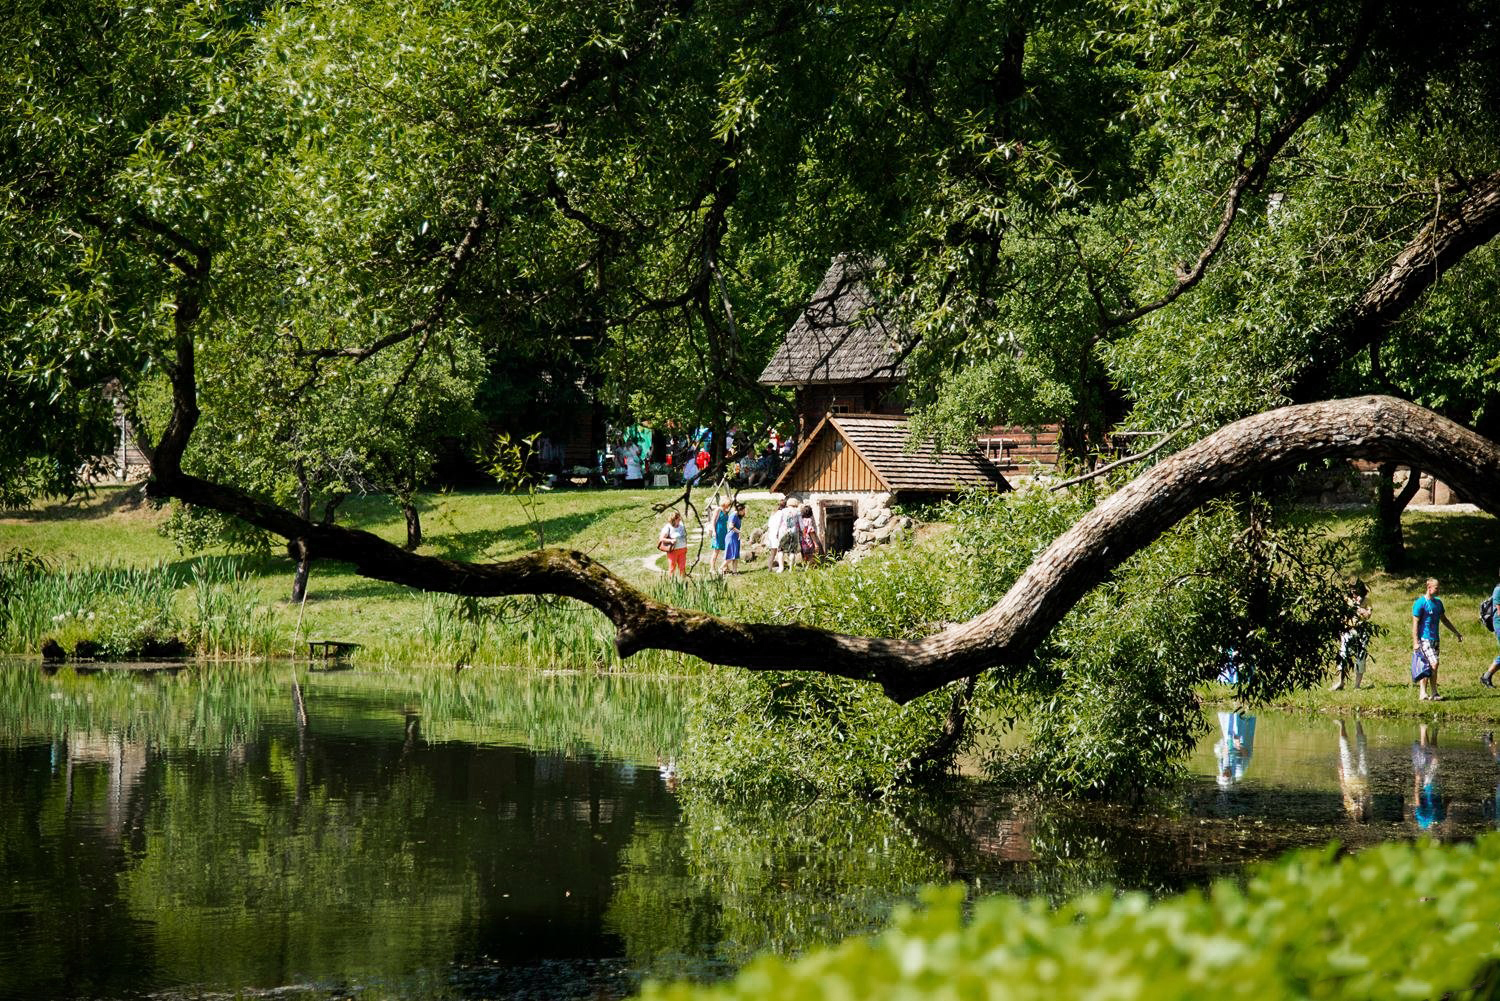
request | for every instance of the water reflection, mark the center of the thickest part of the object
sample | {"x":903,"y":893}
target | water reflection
{"x":1427,"y":802}
{"x":413,"y":835}
{"x":1354,"y":773}
{"x":1235,"y":747}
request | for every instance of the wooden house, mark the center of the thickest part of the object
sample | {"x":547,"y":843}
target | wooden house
{"x":843,"y":357}
{"x":853,"y":467}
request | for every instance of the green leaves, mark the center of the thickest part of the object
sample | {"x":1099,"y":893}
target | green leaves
{"x":1394,"y":922}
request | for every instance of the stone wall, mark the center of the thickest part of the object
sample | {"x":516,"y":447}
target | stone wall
{"x":875,"y":524}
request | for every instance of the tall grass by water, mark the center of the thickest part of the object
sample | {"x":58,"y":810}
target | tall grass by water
{"x":229,"y":620}
{"x":116,"y":612}
{"x":111,"y":611}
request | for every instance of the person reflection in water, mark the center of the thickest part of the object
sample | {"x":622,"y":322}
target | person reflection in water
{"x":1236,"y":744}
{"x":1354,"y":774}
{"x":1493,"y":750}
{"x":1427,"y":808}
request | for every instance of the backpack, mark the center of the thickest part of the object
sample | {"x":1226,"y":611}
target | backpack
{"x":1487,"y":613}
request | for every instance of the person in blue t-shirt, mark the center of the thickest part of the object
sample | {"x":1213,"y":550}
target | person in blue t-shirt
{"x":1488,"y":676}
{"x":1426,"y":612}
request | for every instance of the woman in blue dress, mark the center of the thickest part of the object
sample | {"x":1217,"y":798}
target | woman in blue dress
{"x":732,"y":540}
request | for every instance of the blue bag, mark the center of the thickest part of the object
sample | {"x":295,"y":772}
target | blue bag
{"x":1419,"y":667}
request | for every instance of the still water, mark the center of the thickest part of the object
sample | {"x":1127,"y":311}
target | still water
{"x":226,"y":832}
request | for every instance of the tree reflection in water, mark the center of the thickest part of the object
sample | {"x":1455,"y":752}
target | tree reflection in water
{"x":405,"y":834}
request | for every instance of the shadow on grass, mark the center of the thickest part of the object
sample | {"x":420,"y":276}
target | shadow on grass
{"x":556,"y":531}
{"x":1461,"y":550}
{"x":102,"y":503}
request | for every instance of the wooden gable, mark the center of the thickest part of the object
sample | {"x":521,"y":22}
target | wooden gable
{"x":828,"y":462}
{"x":867,"y":452}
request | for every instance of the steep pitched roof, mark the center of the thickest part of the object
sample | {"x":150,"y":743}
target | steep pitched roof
{"x":880,"y":441}
{"x":839,"y":337}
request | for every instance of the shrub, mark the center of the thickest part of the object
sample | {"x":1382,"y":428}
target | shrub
{"x":1394,"y":922}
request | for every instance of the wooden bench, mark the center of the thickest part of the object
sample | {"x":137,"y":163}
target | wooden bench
{"x":330,"y":649}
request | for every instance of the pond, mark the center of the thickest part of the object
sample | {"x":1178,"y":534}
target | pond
{"x":226,"y":830}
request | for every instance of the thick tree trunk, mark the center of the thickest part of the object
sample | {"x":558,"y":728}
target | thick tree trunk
{"x":1242,"y":454}
{"x":1389,"y":504}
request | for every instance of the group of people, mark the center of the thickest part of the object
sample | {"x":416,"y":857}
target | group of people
{"x":791,"y":538}
{"x":727,"y":528}
{"x":1428,"y":617}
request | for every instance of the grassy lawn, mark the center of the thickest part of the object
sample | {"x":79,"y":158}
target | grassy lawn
{"x":1462,"y":550}
{"x":618,"y":528}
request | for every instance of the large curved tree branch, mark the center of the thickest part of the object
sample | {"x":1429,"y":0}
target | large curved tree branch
{"x":1442,"y":243}
{"x":1377,"y":428}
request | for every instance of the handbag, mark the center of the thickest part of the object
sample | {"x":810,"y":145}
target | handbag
{"x":1419,"y":667}
{"x":665,"y":545}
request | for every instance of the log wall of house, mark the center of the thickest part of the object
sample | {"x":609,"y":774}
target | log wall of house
{"x":831,"y":465}
{"x":816,"y":401}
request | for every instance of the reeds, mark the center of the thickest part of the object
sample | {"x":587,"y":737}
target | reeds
{"x":114,"y":613}
{"x":108,"y":611}
{"x":229,"y":621}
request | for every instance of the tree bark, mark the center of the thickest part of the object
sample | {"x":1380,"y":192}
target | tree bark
{"x":1389,"y":504}
{"x":1382,"y":429}
{"x":300,"y":553}
{"x":413,"y":525}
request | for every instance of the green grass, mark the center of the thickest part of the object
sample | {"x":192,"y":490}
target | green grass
{"x":1462,"y":550}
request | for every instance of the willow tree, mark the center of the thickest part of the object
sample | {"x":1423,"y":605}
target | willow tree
{"x":1190,"y":217}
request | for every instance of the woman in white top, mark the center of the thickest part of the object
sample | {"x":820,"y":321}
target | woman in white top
{"x":635,"y":476}
{"x":790,"y":542}
{"x":673,"y":539}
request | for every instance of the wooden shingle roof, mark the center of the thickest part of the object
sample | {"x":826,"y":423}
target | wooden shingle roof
{"x":880,"y":441}
{"x":840,"y":337}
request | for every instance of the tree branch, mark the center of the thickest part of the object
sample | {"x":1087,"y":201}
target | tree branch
{"x":1127,"y":460}
{"x":458,"y":261}
{"x":1439,"y":245}
{"x":1250,"y":176}
{"x":1005,"y":636}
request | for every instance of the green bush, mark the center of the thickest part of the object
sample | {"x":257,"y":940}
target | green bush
{"x":1396,"y":922}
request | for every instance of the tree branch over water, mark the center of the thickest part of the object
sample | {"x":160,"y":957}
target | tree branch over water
{"x":1377,"y":428}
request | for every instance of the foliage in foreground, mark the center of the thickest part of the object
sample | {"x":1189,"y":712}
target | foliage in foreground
{"x":1397,"y":922}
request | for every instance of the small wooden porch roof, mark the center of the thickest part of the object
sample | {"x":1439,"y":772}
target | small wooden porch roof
{"x":878,"y":442}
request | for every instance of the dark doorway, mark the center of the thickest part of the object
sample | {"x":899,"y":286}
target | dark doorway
{"x":838,"y":528}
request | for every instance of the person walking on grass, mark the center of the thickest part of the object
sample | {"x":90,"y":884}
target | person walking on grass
{"x":1354,"y":641}
{"x":732,"y":539}
{"x":721,"y":537}
{"x":1487,"y":678}
{"x":1426,"y":612}
{"x":673,"y":541}
{"x":773,"y":537}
